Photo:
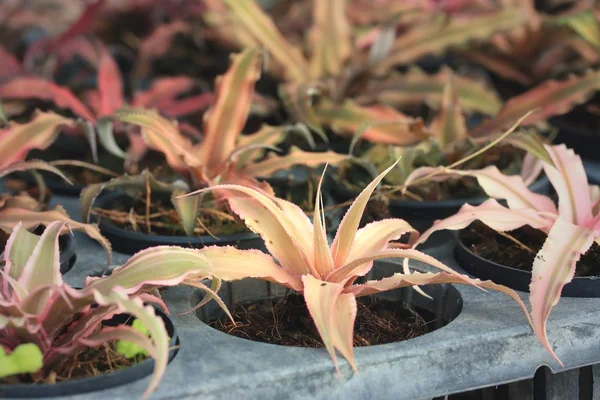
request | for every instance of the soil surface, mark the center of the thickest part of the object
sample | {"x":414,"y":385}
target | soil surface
{"x":286,"y":321}
{"x":85,"y":363}
{"x":488,"y":244}
{"x":164,"y":220}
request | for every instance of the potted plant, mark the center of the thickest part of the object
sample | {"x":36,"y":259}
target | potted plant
{"x":423,"y":201}
{"x":47,"y":326}
{"x":569,"y":230}
{"x":327,"y":276}
{"x":224,"y":155}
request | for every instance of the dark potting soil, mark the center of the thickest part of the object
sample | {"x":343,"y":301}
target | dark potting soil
{"x":492,"y":246}
{"x":164,"y":219}
{"x":86,"y":363}
{"x":286,"y":321}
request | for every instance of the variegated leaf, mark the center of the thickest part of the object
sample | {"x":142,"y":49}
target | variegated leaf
{"x":347,"y":231}
{"x":16,"y":140}
{"x":415,"y":86}
{"x":333,"y":314}
{"x":12,"y":216}
{"x":437,"y":37}
{"x":569,"y":179}
{"x":259,"y":25}
{"x":553,"y":267}
{"x":548,"y":99}
{"x":296,"y":156}
{"x":377,"y":123}
{"x":449,"y":126}
{"x":330,"y":38}
{"x":492,"y":214}
{"x":224,"y":122}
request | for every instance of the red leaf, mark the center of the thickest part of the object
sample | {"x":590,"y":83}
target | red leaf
{"x":26,"y":88}
{"x":84,"y":24}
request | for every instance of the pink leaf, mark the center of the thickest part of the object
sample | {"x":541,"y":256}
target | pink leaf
{"x":287,"y":242}
{"x":12,"y":216}
{"x":399,"y":280}
{"x":335,"y":330}
{"x":323,"y":261}
{"x":553,"y":267}
{"x":230,"y":264}
{"x":495,"y":184}
{"x":26,"y":88}
{"x":159,"y":346}
{"x":375,"y":237}
{"x":16,"y":140}
{"x":493,"y":215}
{"x":346,"y":232}
{"x":110,"y":86}
{"x":351,"y":270}
{"x":569,"y":179}
{"x":224,"y":122}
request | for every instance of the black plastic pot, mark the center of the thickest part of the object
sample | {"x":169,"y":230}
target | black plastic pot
{"x":517,"y":279}
{"x":131,"y":242}
{"x":584,"y":141}
{"x":95,"y":383}
{"x":422,"y":214}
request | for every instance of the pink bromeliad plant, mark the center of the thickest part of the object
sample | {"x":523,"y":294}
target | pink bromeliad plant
{"x":45,"y":320}
{"x":164,"y":95}
{"x":571,"y":228}
{"x":224,"y":155}
{"x":301,"y":258}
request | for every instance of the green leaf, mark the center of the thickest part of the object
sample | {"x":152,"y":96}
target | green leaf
{"x":129,"y":349}
{"x":187,"y":209}
{"x":26,"y":358}
{"x":584,"y":24}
